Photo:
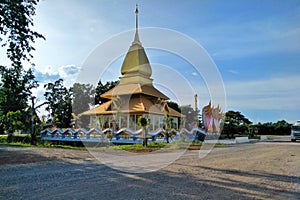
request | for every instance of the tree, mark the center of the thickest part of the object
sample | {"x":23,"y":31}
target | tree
{"x":101,"y":89}
{"x":235,"y":123}
{"x":15,"y":90}
{"x":60,"y":103}
{"x":34,"y":119}
{"x":279,"y":128}
{"x":16,"y":21}
{"x":82,"y":97}
{"x":168,"y":125}
{"x":191,"y":117}
{"x":13,"y":121}
{"x":282,"y":128}
{"x":236,"y":118}
{"x":174,"y":105}
{"x":143,"y":122}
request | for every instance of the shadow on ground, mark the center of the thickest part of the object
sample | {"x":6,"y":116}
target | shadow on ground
{"x":62,"y":180}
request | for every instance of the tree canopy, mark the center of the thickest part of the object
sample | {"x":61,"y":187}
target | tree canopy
{"x":191,"y":117}
{"x":17,"y":36}
{"x":60,"y":103}
{"x":236,"y":118}
{"x":83,"y":96}
{"x":174,"y":105}
{"x":15,"y":90}
{"x":235,"y":123}
{"x":16,"y":22}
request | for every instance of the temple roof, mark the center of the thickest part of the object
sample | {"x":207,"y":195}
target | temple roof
{"x":133,"y":105}
{"x":133,"y":88}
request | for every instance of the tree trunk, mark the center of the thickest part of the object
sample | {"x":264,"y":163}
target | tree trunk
{"x":9,"y":137}
{"x":167,"y":137}
{"x":33,"y":139}
{"x":145,"y":139}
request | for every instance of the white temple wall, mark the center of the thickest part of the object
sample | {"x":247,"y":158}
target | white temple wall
{"x":118,"y":121}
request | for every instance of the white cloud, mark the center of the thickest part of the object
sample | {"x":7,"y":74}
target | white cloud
{"x":279,"y":93}
{"x":194,"y":73}
{"x":68,"y":70}
{"x":233,"y":71}
{"x":50,"y":74}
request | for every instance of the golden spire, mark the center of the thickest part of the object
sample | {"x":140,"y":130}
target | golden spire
{"x":136,"y":37}
{"x":136,"y":17}
{"x":136,"y":67}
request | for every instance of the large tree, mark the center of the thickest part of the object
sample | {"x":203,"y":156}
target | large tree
{"x":191,"y":117}
{"x":17,"y":36}
{"x":83,"y":96}
{"x":59,"y":100}
{"x":235,"y":123}
{"x":15,"y":89}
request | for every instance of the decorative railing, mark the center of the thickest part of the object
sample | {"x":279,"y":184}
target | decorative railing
{"x":124,"y":135}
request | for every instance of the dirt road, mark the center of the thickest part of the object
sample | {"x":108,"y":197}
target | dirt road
{"x":262,"y":170}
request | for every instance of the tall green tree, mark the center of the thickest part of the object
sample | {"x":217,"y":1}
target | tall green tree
{"x":15,"y":90}
{"x":60,"y":103}
{"x":16,"y":22}
{"x":101,"y":89}
{"x":17,"y":36}
{"x":83,"y":98}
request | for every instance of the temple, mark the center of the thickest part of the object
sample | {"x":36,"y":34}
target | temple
{"x":134,"y":95}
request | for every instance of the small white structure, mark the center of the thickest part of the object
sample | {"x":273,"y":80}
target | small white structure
{"x":242,"y":140}
{"x":263,"y":137}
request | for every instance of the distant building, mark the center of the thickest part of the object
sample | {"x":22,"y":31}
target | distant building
{"x":134,"y":96}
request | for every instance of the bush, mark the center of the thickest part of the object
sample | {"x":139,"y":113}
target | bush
{"x":21,"y":138}
{"x":3,"y":139}
{"x":17,"y":138}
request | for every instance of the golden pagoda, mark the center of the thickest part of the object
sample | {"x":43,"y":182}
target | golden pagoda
{"x":134,"y":96}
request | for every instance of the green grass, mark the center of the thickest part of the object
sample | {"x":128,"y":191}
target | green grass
{"x":152,"y":146}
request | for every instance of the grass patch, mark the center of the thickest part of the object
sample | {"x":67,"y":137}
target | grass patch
{"x":136,"y":148}
{"x":152,"y":146}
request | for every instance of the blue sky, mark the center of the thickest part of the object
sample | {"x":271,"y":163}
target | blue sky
{"x":254,"y":44}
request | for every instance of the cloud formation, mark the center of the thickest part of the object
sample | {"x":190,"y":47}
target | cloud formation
{"x":50,"y":74}
{"x":278,"y":93}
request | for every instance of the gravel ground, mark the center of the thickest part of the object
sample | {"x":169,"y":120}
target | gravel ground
{"x":262,"y":170}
